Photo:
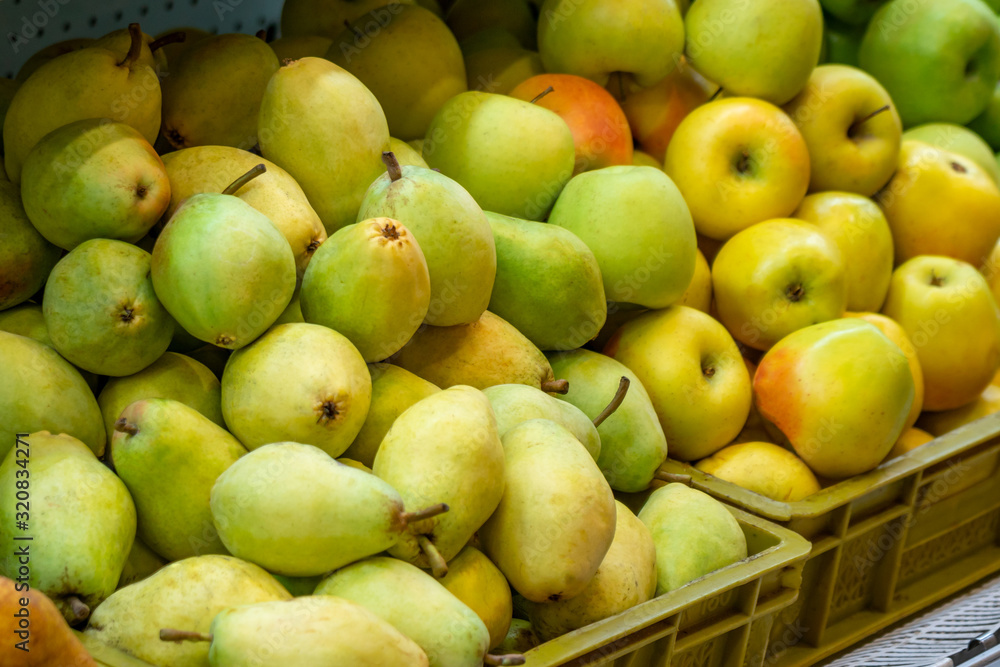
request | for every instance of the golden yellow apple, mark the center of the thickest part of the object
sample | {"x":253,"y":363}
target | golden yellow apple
{"x":699,"y":292}
{"x":910,"y":440}
{"x":764,"y":468}
{"x":939,"y":423}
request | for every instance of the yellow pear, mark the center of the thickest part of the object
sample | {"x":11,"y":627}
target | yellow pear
{"x":764,"y":468}
{"x":476,"y":581}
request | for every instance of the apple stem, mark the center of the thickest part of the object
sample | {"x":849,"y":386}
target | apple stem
{"x":555,"y":386}
{"x":856,"y":125}
{"x":426,"y":513}
{"x":171,"y":635}
{"x":619,"y":396}
{"x":439,"y":568}
{"x":507,"y":659}
{"x":671,"y":477}
{"x":135,"y":47}
{"x":715,"y":94}
{"x":244,"y":179}
{"x":542,"y":94}
{"x":392,"y":166}
{"x":79,"y":608}
{"x":169,"y":38}
{"x":122,"y":426}
{"x":261,"y":35}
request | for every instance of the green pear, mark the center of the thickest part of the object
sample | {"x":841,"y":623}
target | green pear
{"x":487,"y":352}
{"x":194,"y":259}
{"x":214,"y":91}
{"x":323,"y":403}
{"x":295,"y":511}
{"x":444,"y":448}
{"x":26,"y":258}
{"x":558,"y":307}
{"x":633,"y":445}
{"x":173,"y":376}
{"x":140,"y":563}
{"x":415,"y":604}
{"x":7,"y":89}
{"x":41,"y":391}
{"x":626,"y":577}
{"x":292,"y":313}
{"x":120,"y":41}
{"x":26,"y":320}
{"x":476,"y":581}
{"x":394,"y":389}
{"x":311,"y":631}
{"x":469,"y":17}
{"x":186,"y":594}
{"x":169,"y":456}
{"x":369,"y":282}
{"x":646,"y":250}
{"x":47,"y":53}
{"x":512,"y":156}
{"x":101,"y":311}
{"x":299,"y":586}
{"x":326,"y":17}
{"x":89,"y":83}
{"x":327,"y":130}
{"x":410,"y":90}
{"x":520,"y":637}
{"x":957,"y":139}
{"x":553,"y":488}
{"x":516,"y":403}
{"x":213,"y":357}
{"x":694,"y":534}
{"x":452,"y":232}
{"x":274,"y":193}
{"x":79,"y":515}
{"x":300,"y":46}
{"x":406,"y":155}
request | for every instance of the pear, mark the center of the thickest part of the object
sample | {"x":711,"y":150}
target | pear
{"x":173,"y":376}
{"x":498,"y":66}
{"x":7,"y":89}
{"x":477,"y":582}
{"x":274,"y":193}
{"x":295,"y":511}
{"x":173,"y":49}
{"x":468,"y":17}
{"x":310,"y":631}
{"x":326,"y":17}
{"x":213,"y":93}
{"x":487,"y":352}
{"x":26,"y":258}
{"x":40,"y":635}
{"x":101,"y":311}
{"x":26,"y":320}
{"x":410,"y":90}
{"x":444,"y":448}
{"x":516,"y":403}
{"x":626,"y":577}
{"x":186,"y":594}
{"x":140,"y":563}
{"x":406,"y":155}
{"x":89,"y":83}
{"x":327,"y":130}
{"x":553,"y":488}
{"x":169,"y":456}
{"x":633,"y":445}
{"x":215,"y":358}
{"x":81,"y":523}
{"x":369,"y":281}
{"x":452,"y":232}
{"x":548,"y":283}
{"x":300,"y":46}
{"x":42,"y":391}
{"x":47,"y":53}
{"x":694,"y":534}
{"x":394,"y":389}
{"x":120,"y":41}
{"x":323,"y":403}
{"x":520,"y":637}
{"x":194,"y":259}
{"x":292,"y":312}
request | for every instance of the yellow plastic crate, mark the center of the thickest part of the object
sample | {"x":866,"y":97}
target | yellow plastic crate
{"x":885,"y":544}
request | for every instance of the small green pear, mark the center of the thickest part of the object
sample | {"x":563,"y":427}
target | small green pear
{"x":26,"y":257}
{"x":444,"y":448}
{"x":101,"y":311}
{"x":476,"y":581}
{"x":553,"y":488}
{"x":694,"y":534}
{"x":42,"y":391}
{"x":26,"y":320}
{"x":140,"y":563}
{"x":189,"y":594}
{"x":323,"y":403}
{"x":394,"y":389}
{"x":406,"y":155}
{"x":369,"y":282}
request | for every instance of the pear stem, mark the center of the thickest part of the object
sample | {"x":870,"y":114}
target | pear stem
{"x":135,"y":47}
{"x":623,"y":386}
{"x":261,"y":35}
{"x":171,"y":635}
{"x":715,"y":94}
{"x":671,"y":477}
{"x":426,"y":513}
{"x":169,"y":38}
{"x":244,"y":179}
{"x":856,"y":125}
{"x":79,"y":608}
{"x":439,"y":567}
{"x":392,"y":166}
{"x":555,"y":386}
{"x":122,"y":426}
{"x":508,"y":659}
{"x":542,"y":94}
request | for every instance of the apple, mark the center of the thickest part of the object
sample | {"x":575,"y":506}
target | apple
{"x":755,"y":49}
{"x":945,"y":307}
{"x":939,"y":423}
{"x":940,"y":203}
{"x":840,"y":391}
{"x":699,"y":293}
{"x":858,"y":227}
{"x":908,"y":441}
{"x":939,"y":59}
{"x":512,"y":156}
{"x":851,"y":128}
{"x":693,"y":373}
{"x":600,"y":130}
{"x":764,"y":468}
{"x":987,"y":124}
{"x":738,"y":162}
{"x":775,"y":278}
{"x":467,"y":17}
{"x":852,"y":12}
{"x":957,"y":139}
{"x":991,"y":271}
{"x":592,"y":39}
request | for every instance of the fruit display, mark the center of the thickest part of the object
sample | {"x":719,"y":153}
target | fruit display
{"x":368,"y":345}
